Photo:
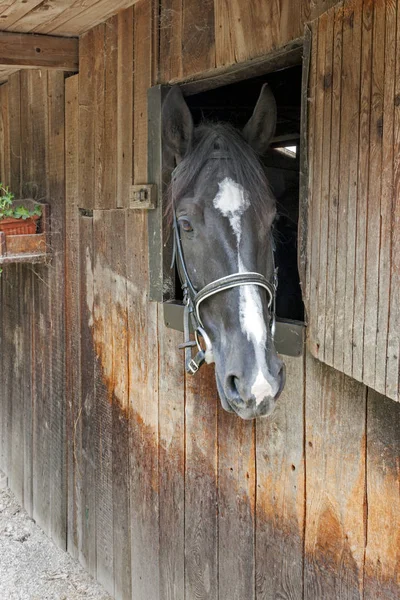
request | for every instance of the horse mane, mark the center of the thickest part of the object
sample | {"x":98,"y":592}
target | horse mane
{"x":210,"y":140}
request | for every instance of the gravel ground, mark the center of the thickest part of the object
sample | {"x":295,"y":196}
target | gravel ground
{"x":31,"y":566}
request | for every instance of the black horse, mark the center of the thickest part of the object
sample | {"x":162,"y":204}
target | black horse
{"x":223,"y":210}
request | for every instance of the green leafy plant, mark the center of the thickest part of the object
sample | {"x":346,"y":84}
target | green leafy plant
{"x":9,"y":211}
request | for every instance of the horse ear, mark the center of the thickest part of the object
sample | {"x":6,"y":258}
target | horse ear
{"x":177,"y":124}
{"x":261,"y":127}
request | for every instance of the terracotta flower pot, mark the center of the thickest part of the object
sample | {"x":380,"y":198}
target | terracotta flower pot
{"x":11,"y":226}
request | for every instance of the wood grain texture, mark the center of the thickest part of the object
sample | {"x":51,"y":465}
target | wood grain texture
{"x":387,"y":198}
{"x":72,"y":309}
{"x":37,"y":51}
{"x":335,"y":485}
{"x":201,"y":491}
{"x":393,"y":344}
{"x":383,"y":469}
{"x":172,"y":463}
{"x":362,"y":199}
{"x":143,"y":325}
{"x":237,"y":498}
{"x":374,"y":195}
{"x":280,"y":500}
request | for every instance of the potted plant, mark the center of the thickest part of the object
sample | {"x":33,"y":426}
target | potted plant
{"x":17,"y":217}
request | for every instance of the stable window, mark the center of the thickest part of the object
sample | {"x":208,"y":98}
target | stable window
{"x":231,"y":98}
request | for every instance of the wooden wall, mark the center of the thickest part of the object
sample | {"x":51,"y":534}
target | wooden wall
{"x":353,"y":286}
{"x":169,"y":497}
{"x":32,"y":391}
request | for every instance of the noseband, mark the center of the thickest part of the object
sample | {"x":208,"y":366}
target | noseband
{"x":193,"y":299}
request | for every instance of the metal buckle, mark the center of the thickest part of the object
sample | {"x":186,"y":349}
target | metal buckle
{"x":192,"y":367}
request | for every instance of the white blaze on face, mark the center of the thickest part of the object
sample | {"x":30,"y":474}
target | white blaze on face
{"x":232,"y":200}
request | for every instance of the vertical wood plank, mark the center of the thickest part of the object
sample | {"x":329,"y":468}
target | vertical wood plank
{"x":326,"y":85}
{"x":125,"y":68}
{"x":201,"y":468}
{"x":56,"y":191}
{"x":353,"y":20}
{"x":386,"y":198}
{"x":335,"y":465}
{"x":198,"y":36}
{"x":86,"y":443}
{"x":374,"y":195}
{"x":236,"y":519}
{"x":4,"y":135}
{"x":109,"y":170}
{"x":72,"y":312}
{"x":171,"y":44}
{"x":334,"y":177}
{"x":143,"y":325}
{"x":280,"y":492}
{"x":362,"y":197}
{"x":86,"y":132}
{"x":172,"y":463}
{"x":315,"y":213}
{"x":116,"y":259}
{"x":103,"y":385}
{"x":393,"y":344}
{"x":383,"y":498}
{"x":224,"y":42}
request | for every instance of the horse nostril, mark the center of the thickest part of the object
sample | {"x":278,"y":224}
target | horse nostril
{"x":231,"y":385}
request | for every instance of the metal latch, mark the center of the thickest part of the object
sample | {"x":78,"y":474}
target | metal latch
{"x":143,"y":196}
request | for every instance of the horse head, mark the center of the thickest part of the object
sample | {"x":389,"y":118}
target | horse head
{"x":222,"y":212}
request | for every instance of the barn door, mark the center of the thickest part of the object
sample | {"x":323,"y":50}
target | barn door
{"x":352,"y":207}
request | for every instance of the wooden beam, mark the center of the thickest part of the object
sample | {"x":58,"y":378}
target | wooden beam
{"x":29,"y":51}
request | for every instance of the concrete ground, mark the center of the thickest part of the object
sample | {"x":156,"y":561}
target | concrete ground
{"x":31,"y":566}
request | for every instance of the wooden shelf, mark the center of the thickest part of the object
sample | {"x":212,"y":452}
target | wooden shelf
{"x":31,"y":248}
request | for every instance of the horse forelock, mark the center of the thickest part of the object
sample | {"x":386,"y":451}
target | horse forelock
{"x":244,"y":164}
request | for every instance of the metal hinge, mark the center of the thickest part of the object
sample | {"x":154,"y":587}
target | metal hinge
{"x":143,"y":196}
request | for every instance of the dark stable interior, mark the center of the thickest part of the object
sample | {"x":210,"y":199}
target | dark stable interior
{"x":235,"y":103}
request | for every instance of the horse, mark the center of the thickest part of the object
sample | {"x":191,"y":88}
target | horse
{"x":222,"y":211}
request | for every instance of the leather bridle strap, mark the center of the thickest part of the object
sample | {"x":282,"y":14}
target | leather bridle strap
{"x":229,"y":282}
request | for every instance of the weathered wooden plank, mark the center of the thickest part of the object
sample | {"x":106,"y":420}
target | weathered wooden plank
{"x":86,"y":430}
{"x":326,"y":84}
{"x":98,"y":115}
{"x":201,"y":492}
{"x":172,"y":463}
{"x":386,"y":198}
{"x":117,"y":383}
{"x":315,"y":337}
{"x":171,"y":45}
{"x":34,"y":183}
{"x":38,"y":51}
{"x":56,"y":192}
{"x":72,"y":310}
{"x":198,"y":36}
{"x":383,"y":500}
{"x":108,"y":197}
{"x":353,"y":21}
{"x":280,"y":504}
{"x":311,"y":99}
{"x":393,"y":343}
{"x":347,"y":146}
{"x":362,"y":198}
{"x":102,"y":333}
{"x":331,"y":215}
{"x":4,"y":135}
{"x":143,"y":380}
{"x":125,"y":68}
{"x":236,"y":515}
{"x":224,"y":44}
{"x":335,"y":487}
{"x":86,"y":132}
{"x":374,"y":196}
{"x":16,"y":10}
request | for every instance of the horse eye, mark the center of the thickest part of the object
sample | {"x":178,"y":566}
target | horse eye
{"x":185,"y":225}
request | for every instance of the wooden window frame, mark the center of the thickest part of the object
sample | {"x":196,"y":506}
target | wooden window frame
{"x":291,"y":334}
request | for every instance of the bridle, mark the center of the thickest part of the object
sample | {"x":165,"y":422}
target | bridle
{"x":192,"y":299}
